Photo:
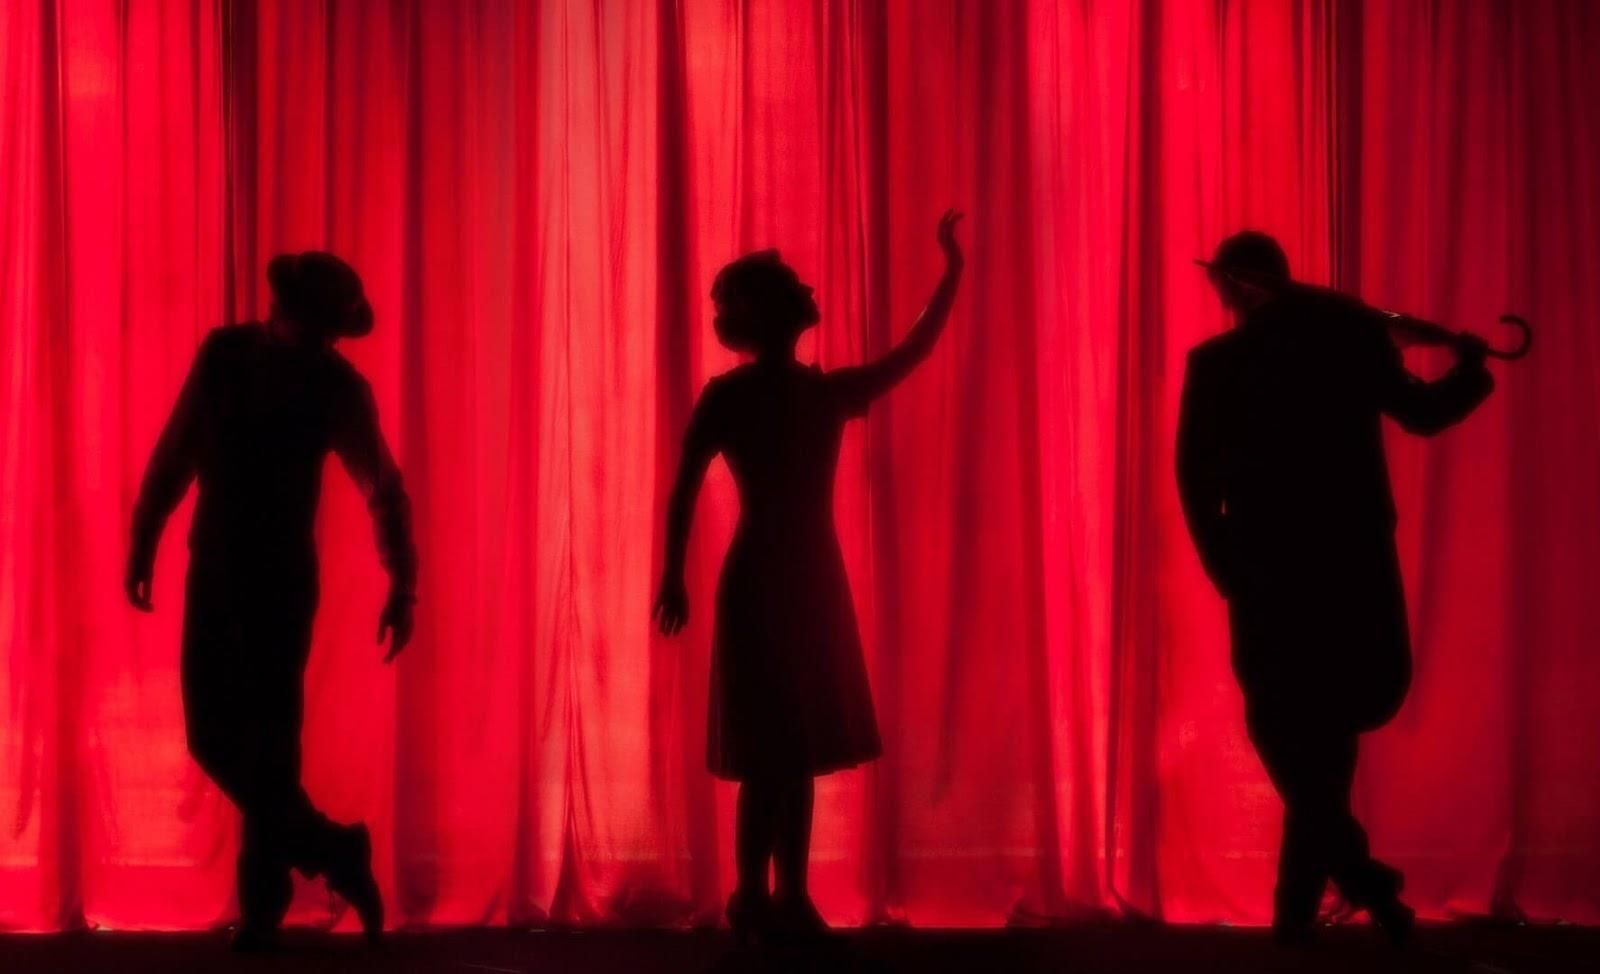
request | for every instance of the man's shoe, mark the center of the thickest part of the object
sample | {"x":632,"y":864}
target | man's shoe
{"x":1380,"y":897}
{"x":1395,"y":919}
{"x":349,"y":874}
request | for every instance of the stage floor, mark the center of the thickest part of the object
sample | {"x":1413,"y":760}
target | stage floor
{"x":1470,"y":948}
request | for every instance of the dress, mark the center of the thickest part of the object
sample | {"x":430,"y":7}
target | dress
{"x":789,"y":693}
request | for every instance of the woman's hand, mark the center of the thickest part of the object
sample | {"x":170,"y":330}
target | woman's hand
{"x":137,"y":584}
{"x":671,"y":611}
{"x":947,"y":239}
{"x":397,"y":622}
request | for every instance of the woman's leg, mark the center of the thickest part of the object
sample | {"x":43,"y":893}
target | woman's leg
{"x":759,"y":800}
{"x":792,"y":846}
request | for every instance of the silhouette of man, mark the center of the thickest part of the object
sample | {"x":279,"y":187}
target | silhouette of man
{"x":1286,"y":492}
{"x":263,"y":405}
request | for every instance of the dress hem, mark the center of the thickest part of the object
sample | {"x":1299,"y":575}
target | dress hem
{"x":816,"y":772}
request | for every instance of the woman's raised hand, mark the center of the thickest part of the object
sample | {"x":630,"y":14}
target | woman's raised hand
{"x":947,"y":238}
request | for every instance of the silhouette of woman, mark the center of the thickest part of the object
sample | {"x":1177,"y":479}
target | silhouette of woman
{"x":263,"y":406}
{"x":789,"y":697}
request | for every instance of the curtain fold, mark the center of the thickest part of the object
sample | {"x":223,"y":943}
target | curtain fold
{"x":537,"y":196}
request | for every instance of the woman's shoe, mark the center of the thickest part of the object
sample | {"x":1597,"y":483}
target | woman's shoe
{"x":350,"y":876}
{"x":797,"y":916}
{"x":749,"y":916}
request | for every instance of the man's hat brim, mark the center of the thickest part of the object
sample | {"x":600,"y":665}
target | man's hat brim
{"x":1248,"y":276}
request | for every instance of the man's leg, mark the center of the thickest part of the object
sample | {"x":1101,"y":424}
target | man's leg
{"x":225,"y":743}
{"x":1364,"y":881}
{"x":283,"y":831}
{"x":1348,"y":860}
{"x":242,"y":670}
{"x":265,"y":886}
{"x":1292,"y":761}
{"x":263,"y":780}
{"x":1313,"y":766}
{"x":307,"y":839}
{"x":222,"y":715}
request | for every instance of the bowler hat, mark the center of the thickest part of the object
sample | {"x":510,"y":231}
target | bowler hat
{"x":1251,"y":256}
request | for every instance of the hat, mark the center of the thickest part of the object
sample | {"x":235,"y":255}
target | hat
{"x":1252,"y":257}
{"x":322,"y":291}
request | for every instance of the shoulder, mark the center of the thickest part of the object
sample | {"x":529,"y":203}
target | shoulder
{"x":715,"y":393}
{"x":1358,"y":332}
{"x":742,"y":372}
{"x":229,"y":338}
{"x":728,"y":383}
{"x":708,"y":420}
{"x":340,"y":366}
{"x":227,"y":344}
{"x":1214,"y":351}
{"x":343,"y":378}
{"x":1336,"y":310}
{"x":1314,"y":298}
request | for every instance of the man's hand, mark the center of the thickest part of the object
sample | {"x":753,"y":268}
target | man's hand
{"x":396,"y":621}
{"x":1471,"y":348}
{"x":671,"y":610}
{"x":138,"y":585}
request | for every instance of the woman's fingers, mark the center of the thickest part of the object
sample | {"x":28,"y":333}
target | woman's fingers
{"x":138,"y":590}
{"x":947,"y":237}
{"x":671,"y":613}
{"x":947,"y":226}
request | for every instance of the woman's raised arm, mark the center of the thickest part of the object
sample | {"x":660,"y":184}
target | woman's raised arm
{"x":861,"y":384}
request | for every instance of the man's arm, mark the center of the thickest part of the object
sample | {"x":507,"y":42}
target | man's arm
{"x":361,"y":448}
{"x":1199,"y":464}
{"x":166,"y":479}
{"x":1426,"y":408}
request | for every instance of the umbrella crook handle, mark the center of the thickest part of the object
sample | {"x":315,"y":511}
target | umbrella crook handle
{"x":1512,"y":354}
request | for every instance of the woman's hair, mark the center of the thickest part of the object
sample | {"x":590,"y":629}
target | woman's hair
{"x":321,"y":292}
{"x":760,"y":302}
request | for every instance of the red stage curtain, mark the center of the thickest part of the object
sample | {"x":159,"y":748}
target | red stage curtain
{"x":538,"y":195}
